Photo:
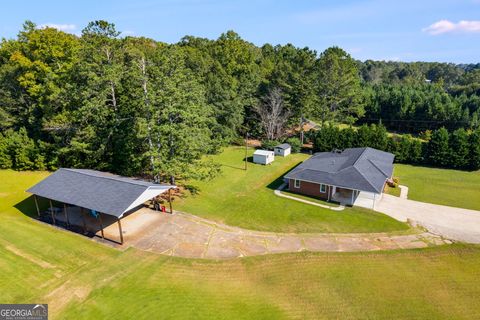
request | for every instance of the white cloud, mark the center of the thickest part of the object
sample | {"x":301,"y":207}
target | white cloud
{"x":61,"y":27}
{"x":446,"y":26}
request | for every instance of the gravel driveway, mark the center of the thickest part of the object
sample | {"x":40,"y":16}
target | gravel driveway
{"x":453,"y":223}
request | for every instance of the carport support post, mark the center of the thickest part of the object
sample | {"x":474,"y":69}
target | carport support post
{"x":66,"y":214}
{"x":51,"y":210}
{"x":36,"y":204}
{"x":120,"y":230}
{"x":83,"y":220}
{"x":101,"y":224}
{"x":170,"y":199}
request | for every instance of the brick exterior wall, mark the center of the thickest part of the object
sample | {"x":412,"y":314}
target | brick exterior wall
{"x":309,"y":189}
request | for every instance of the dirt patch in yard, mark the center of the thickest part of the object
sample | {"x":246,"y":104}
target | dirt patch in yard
{"x":60,"y":297}
{"x":29,"y":257}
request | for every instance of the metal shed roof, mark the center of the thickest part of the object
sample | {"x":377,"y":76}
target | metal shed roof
{"x":100,"y":191}
{"x":283,"y":146}
{"x":364,"y":169}
{"x":263,"y":152}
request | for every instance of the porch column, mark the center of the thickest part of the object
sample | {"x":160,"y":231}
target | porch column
{"x":66,"y":214}
{"x":51,"y":210}
{"x":101,"y":224}
{"x":353,"y":193}
{"x":329,"y":192}
{"x":36,"y":204}
{"x":170,"y":199}
{"x":120,"y":230}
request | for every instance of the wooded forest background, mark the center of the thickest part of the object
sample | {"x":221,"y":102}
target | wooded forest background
{"x":136,"y":106}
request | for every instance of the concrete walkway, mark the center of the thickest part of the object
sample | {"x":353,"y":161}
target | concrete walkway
{"x":452,"y":223}
{"x":403,"y":192}
{"x":189,"y":236}
{"x":278,"y":192}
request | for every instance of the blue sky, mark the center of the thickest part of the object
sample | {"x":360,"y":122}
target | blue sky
{"x":419,"y":30}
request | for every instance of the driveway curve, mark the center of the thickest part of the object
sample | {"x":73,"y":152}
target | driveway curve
{"x":450,"y":222}
{"x":190,"y":236}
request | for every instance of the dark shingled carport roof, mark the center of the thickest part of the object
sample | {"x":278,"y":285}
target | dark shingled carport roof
{"x":100,"y":191}
{"x":363,"y":169}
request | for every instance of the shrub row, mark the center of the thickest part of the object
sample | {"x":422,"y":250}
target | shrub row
{"x":19,"y":152}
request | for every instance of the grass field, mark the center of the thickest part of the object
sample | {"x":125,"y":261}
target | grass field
{"x":246,"y":199}
{"x":81,"y":279}
{"x":84,"y":280}
{"x":441,"y":186}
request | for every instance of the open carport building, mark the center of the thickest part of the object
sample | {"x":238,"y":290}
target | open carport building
{"x":96,"y":194}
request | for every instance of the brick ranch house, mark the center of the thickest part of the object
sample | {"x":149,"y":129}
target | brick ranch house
{"x":354,"y":176}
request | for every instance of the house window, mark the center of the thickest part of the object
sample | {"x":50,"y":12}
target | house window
{"x":323,"y":188}
{"x":297,"y":183}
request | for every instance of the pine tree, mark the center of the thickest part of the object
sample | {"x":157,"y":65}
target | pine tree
{"x":438,"y":149}
{"x":339,"y":92}
{"x":459,"y":146}
{"x":474,"y":152}
{"x":416,"y":151}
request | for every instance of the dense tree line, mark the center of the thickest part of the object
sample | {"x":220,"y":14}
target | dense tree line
{"x":413,"y":97}
{"x":459,"y":149}
{"x":136,"y":106}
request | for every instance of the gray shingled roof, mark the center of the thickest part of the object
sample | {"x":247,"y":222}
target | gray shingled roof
{"x":283,"y":146}
{"x":96,"y":190}
{"x":363,"y":169}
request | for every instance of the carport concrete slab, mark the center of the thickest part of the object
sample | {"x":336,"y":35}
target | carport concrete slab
{"x":221,"y":252}
{"x":409,"y":241}
{"x":285,"y":244}
{"x":354,"y":244}
{"x":321,"y":244}
{"x":189,"y":250}
{"x":250,"y":246}
{"x":385,"y":243}
{"x":188,"y":236}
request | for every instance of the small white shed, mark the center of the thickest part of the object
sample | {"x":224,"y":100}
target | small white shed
{"x":263,"y":156}
{"x":283,"y":150}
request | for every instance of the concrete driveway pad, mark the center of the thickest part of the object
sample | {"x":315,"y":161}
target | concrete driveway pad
{"x":452,"y":223}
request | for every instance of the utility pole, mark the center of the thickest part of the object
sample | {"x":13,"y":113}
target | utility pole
{"x":246,"y":150}
{"x":301,"y":129}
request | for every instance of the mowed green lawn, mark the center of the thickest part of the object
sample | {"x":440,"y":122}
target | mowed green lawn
{"x":441,"y":186}
{"x":246,"y":199}
{"x":81,"y":279}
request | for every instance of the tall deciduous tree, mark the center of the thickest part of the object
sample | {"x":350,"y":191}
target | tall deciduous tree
{"x":273,"y":114}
